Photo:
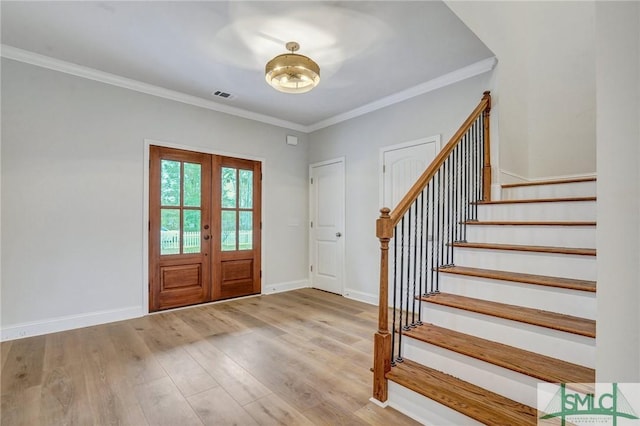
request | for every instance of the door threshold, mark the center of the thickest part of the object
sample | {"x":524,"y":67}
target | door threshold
{"x":213,"y":302}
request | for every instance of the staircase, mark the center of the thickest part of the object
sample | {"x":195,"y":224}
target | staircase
{"x":516,"y":307}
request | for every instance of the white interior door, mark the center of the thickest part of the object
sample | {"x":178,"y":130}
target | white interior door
{"x":327,"y":213}
{"x":402,"y":165}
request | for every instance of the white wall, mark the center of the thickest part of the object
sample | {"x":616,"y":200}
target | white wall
{"x":559,"y":63}
{"x":545,"y":81}
{"x":72,"y":194}
{"x":359,"y":140}
{"x":618,"y":134}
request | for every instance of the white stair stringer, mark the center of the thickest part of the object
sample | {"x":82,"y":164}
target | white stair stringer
{"x":579,"y":267}
{"x":554,"y":343}
{"x":539,"y":211}
{"x":539,"y":235}
{"x":516,"y":386}
{"x":557,"y":190}
{"x":576,"y":303}
{"x":425,"y":410}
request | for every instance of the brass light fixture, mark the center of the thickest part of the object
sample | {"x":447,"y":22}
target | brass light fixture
{"x":291,"y":72}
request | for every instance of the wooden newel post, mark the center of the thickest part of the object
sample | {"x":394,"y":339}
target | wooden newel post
{"x":486,"y":169}
{"x":382,"y":338}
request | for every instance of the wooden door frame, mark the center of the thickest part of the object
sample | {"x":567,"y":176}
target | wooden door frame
{"x":408,"y":144}
{"x":343,"y":261}
{"x":145,"y":207}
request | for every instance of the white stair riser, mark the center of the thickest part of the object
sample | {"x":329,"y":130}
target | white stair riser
{"x":570,"y":302}
{"x":505,"y":382}
{"x":425,"y":410}
{"x":553,"y":343}
{"x":556,"y":236}
{"x":556,"y":211}
{"x":576,"y":189}
{"x":557,"y":344}
{"x":555,"y":265}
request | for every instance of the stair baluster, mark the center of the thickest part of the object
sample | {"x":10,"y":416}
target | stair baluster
{"x":446,"y":180}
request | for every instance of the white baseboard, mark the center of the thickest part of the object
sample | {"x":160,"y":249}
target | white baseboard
{"x":378,"y":403}
{"x":505,"y":176}
{"x":510,"y":177}
{"x":371,"y":299}
{"x":286,"y":286}
{"x":69,"y":322}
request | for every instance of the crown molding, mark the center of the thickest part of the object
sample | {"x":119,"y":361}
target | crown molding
{"x":469,"y":71}
{"x":48,"y":62}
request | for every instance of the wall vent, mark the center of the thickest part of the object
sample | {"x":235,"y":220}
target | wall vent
{"x":224,"y":95}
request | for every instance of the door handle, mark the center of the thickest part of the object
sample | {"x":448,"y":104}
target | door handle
{"x":338,"y":234}
{"x":206,"y":237}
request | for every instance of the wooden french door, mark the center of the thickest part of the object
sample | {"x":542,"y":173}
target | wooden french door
{"x":236,"y":224}
{"x":204,"y":227}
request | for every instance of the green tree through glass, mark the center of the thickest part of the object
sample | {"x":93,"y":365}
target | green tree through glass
{"x":180,"y":187}
{"x":192,"y":183}
{"x":170,"y":183}
{"x":246,"y":189}
{"x":229,"y":187}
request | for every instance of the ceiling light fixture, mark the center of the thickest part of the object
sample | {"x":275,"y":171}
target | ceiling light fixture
{"x":291,"y":72}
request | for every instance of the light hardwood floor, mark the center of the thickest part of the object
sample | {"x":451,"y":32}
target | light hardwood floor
{"x":295,"y":358}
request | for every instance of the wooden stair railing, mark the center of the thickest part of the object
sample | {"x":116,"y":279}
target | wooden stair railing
{"x":428,"y":219}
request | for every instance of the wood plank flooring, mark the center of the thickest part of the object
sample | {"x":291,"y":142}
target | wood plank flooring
{"x":295,"y":358}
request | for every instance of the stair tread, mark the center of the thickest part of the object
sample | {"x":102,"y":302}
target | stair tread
{"x":526,"y":362}
{"x":519,"y":247}
{"x":549,"y":182}
{"x":538,"y":317}
{"x":568,"y":283}
{"x":537,"y":200}
{"x":530,"y":223}
{"x":471,"y":400}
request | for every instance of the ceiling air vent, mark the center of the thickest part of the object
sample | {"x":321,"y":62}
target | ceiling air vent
{"x":224,"y":95}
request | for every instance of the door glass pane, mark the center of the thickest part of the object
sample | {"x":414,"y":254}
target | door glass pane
{"x":191,"y":235}
{"x":246,"y":189}
{"x":169,"y":231}
{"x":245,"y":233}
{"x":229,"y":187}
{"x":192,"y":179}
{"x":169,"y":183}
{"x":228,"y":237}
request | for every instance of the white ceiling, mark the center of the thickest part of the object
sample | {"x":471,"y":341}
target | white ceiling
{"x":367,"y":50}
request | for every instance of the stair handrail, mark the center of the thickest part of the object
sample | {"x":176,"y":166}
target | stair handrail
{"x":390,"y":218}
